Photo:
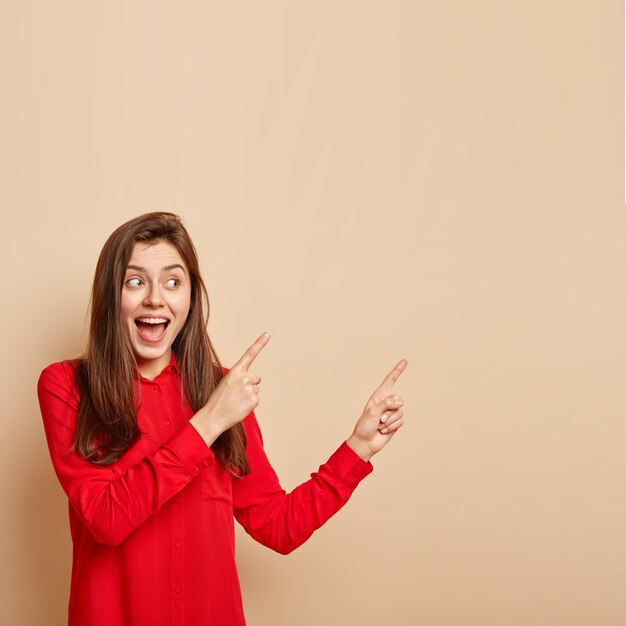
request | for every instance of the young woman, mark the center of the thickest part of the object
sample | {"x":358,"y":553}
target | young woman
{"x":158,"y":448}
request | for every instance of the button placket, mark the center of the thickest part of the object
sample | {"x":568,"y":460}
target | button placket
{"x":166,"y":421}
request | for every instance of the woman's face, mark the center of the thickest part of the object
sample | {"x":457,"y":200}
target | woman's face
{"x":155,"y":302}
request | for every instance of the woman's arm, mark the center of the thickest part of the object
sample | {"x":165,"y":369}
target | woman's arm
{"x":283,"y":521}
{"x":113,"y":500}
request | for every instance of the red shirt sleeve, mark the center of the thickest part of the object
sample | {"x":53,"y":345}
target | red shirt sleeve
{"x":113,"y":500}
{"x":283,"y":521}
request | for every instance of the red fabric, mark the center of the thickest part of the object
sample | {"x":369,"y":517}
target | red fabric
{"x":153,"y":534}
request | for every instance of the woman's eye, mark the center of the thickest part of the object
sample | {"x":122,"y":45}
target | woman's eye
{"x":133,"y":282}
{"x":173,"y":282}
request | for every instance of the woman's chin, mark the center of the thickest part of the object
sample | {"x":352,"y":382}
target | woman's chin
{"x":146,"y":354}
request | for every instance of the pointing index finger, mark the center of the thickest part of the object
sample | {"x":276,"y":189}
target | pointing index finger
{"x":252,"y":352}
{"x":390,"y":379}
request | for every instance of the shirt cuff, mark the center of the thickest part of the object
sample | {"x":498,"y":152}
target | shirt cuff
{"x":189,"y":447}
{"x":348,"y":465}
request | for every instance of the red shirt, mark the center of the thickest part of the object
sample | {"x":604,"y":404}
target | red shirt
{"x":153,"y":533}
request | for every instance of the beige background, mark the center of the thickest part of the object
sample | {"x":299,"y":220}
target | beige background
{"x":440,"y":181}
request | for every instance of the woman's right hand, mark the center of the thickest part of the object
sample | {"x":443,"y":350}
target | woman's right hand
{"x":236,"y":396}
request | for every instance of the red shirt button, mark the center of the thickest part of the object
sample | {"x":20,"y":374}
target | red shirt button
{"x":179,"y":500}
{"x":179,"y":545}
{"x":196,"y":469}
{"x":178,"y":589}
{"x":167,"y":423}
{"x":205,"y":463}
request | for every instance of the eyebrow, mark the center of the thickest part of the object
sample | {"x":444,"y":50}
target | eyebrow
{"x":167,"y":268}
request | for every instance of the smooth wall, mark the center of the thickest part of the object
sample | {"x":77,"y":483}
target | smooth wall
{"x":368,"y":181}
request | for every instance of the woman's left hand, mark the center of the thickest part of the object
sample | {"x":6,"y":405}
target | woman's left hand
{"x":381,"y":417}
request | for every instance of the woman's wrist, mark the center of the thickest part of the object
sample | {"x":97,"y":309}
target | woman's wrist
{"x":205,"y":427}
{"x":359,"y":447}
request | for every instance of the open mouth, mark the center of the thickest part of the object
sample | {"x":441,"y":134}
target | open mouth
{"x":152,"y":329}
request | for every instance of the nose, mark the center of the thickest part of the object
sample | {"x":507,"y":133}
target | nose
{"x":153,"y":297}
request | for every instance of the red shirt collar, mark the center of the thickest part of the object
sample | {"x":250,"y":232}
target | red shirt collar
{"x":170,"y":368}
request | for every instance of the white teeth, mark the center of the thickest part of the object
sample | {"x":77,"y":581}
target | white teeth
{"x":153,"y":320}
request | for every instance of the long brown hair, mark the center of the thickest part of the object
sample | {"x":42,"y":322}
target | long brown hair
{"x":106,"y":373}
